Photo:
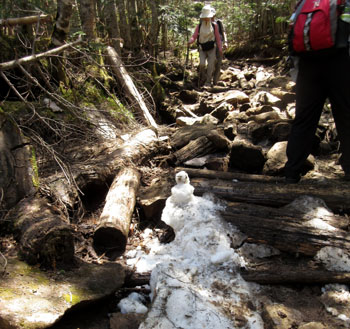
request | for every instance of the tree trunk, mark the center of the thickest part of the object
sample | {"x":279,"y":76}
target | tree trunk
{"x":129,"y":87}
{"x":17,"y":174}
{"x":164,"y":28}
{"x":62,"y":24}
{"x":154,"y":31}
{"x":112,"y":25}
{"x":42,"y":231}
{"x":59,"y":36}
{"x":88,"y":18}
{"x":113,"y":229}
{"x":135,"y":32}
{"x":123,"y":24}
{"x":336,"y":195}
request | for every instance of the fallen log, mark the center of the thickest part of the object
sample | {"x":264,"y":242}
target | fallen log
{"x":293,"y":275}
{"x":198,"y":147}
{"x":214,"y":174}
{"x":284,"y":231}
{"x":43,"y":233}
{"x":129,"y":86}
{"x":286,"y":213}
{"x":184,"y":135}
{"x":113,"y":229}
{"x":25,"y":20}
{"x":98,"y":171}
{"x":336,"y":194}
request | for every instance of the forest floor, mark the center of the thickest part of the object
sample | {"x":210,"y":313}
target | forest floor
{"x":295,"y":303}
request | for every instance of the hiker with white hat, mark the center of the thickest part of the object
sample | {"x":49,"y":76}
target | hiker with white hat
{"x":208,"y":36}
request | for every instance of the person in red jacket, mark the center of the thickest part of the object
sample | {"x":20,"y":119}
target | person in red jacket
{"x":208,"y":36}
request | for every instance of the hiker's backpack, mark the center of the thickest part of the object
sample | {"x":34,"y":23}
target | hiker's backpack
{"x":315,"y":25}
{"x":221,"y":28}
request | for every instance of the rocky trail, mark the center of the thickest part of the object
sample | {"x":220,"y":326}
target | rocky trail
{"x":231,"y":141}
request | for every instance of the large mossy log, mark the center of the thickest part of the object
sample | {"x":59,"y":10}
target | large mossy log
{"x":43,"y":233}
{"x":335,"y":194}
{"x":284,"y":230}
{"x":113,"y":229}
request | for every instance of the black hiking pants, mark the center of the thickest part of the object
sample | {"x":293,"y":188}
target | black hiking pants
{"x":320,"y":78}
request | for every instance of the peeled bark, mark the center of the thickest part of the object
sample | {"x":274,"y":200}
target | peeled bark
{"x":113,"y":229}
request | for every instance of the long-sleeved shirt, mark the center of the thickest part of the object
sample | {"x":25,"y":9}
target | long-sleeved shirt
{"x":216,"y":34}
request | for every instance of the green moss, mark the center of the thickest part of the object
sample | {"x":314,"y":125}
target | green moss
{"x":71,"y":298}
{"x":118,"y":110}
{"x":75,"y":295}
{"x":14,"y":107}
{"x":35,"y":176}
{"x":6,"y":293}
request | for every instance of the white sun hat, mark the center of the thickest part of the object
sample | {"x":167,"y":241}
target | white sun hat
{"x":213,"y":10}
{"x":207,"y":12}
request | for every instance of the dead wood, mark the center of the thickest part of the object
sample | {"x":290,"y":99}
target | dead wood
{"x":129,"y":86}
{"x":286,"y":213}
{"x":214,"y":174}
{"x":113,"y":229}
{"x":25,"y":20}
{"x":283,"y":230}
{"x":293,"y":275}
{"x":336,"y":194}
{"x":198,"y":147}
{"x":101,"y":168}
{"x":184,"y":135}
{"x":24,"y":60}
{"x":42,"y":231}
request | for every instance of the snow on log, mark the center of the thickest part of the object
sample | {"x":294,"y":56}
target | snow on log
{"x":129,"y":86}
{"x":42,"y":231}
{"x":113,"y":229}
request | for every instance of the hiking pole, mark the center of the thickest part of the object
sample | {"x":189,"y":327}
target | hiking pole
{"x":185,"y":66}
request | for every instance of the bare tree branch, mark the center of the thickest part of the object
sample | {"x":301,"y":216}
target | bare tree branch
{"x":31,"y":58}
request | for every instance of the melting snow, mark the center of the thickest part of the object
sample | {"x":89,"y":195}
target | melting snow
{"x":194,"y":281}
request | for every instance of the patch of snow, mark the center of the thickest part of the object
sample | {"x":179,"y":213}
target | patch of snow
{"x":334,"y":259}
{"x":258,"y":251}
{"x":194,"y":279}
{"x":133,"y":304}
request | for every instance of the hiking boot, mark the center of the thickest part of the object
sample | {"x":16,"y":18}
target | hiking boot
{"x":292,"y":179}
